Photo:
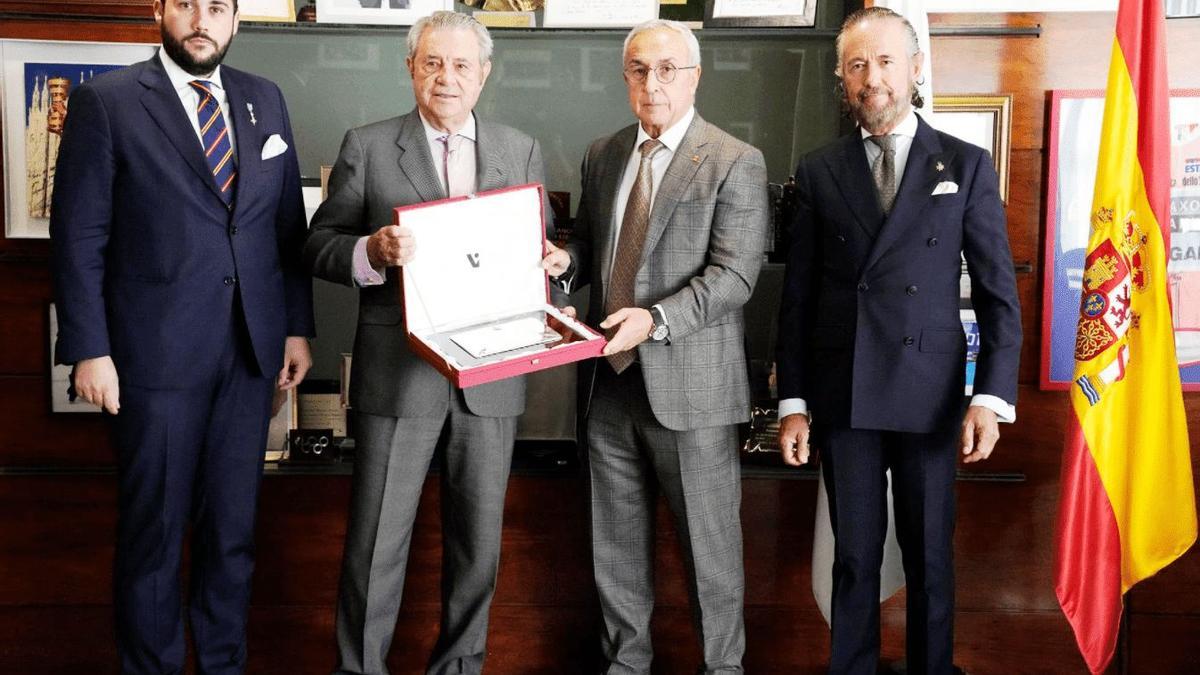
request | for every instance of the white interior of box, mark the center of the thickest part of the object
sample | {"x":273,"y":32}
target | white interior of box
{"x":477,"y":260}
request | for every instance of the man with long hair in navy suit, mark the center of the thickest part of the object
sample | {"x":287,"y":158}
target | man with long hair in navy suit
{"x":177,"y":225}
{"x":871,"y":344}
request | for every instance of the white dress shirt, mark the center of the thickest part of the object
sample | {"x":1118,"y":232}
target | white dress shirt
{"x":190,"y":98}
{"x":671,"y":138}
{"x":460,"y":163}
{"x":905,"y":132}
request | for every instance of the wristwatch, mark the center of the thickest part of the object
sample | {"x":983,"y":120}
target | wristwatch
{"x":659,"y":331}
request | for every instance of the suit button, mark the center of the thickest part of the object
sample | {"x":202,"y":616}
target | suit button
{"x":932,"y":242}
{"x":233,"y":230}
{"x":862,"y":286}
{"x":841,"y":238}
{"x":229,"y":281}
{"x":908,"y":341}
{"x":911,"y":290}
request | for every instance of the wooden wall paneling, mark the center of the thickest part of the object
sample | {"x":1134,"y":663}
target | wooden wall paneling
{"x":36,"y":437}
{"x":24,"y":294}
{"x":1029,"y":293}
{"x":90,"y":8}
{"x":56,"y":541}
{"x":1163,"y":644}
{"x":47,"y":640}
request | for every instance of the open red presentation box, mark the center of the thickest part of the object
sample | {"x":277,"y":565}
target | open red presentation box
{"x":476,"y":299}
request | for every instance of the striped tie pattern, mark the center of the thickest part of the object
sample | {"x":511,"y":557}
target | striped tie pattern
{"x":218,"y":150}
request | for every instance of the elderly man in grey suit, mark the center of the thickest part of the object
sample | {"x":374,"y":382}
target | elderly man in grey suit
{"x":440,"y":149}
{"x":670,"y":235}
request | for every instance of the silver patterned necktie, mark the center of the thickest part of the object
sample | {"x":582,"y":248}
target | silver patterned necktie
{"x":884,"y":170}
{"x":628,"y":256}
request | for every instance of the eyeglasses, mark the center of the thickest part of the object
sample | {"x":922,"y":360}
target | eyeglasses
{"x":664,"y":72}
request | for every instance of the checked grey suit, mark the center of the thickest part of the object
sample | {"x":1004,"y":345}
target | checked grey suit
{"x":403,"y":403}
{"x":668,"y":423}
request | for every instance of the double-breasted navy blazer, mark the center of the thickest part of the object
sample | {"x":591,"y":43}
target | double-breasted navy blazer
{"x":870,"y":334}
{"x":150,"y":265}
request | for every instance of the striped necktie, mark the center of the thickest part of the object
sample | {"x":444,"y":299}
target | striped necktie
{"x":218,"y":150}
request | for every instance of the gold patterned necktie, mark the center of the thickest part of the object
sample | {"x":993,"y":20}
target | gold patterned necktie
{"x":628,"y":256}
{"x":884,"y":170}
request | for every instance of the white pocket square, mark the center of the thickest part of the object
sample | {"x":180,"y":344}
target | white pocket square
{"x":946,"y":187}
{"x":274,"y":147}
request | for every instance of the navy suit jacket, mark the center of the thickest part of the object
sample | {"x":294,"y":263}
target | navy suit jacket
{"x":150,"y":266}
{"x":870,"y":334}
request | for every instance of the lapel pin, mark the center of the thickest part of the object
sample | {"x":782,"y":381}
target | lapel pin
{"x":939,"y":166}
{"x":254,"y":121}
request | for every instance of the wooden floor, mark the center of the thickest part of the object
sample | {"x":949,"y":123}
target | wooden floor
{"x":56,"y":545}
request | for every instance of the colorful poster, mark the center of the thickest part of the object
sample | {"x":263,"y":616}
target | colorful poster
{"x":1074,"y":141}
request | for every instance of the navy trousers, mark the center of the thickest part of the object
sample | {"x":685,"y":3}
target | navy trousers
{"x":923,"y":468}
{"x":189,"y":456}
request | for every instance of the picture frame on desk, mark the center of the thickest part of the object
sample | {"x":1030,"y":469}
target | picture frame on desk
{"x":59,"y":376}
{"x":386,"y":12}
{"x":759,"y":13}
{"x":36,"y":80}
{"x":1075,"y":118}
{"x":984,"y":120}
{"x":284,"y":413}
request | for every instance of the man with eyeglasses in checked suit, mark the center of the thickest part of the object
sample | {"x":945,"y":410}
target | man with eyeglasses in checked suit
{"x":669,"y":234}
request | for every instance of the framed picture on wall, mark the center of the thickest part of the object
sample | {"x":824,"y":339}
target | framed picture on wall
{"x":590,"y":14}
{"x":61,"y":398}
{"x":1182,"y":9}
{"x":394,"y":12}
{"x":284,"y":413}
{"x":985,"y":120}
{"x":266,"y":10}
{"x":759,"y":13}
{"x":36,"y":82}
{"x":1072,"y":148}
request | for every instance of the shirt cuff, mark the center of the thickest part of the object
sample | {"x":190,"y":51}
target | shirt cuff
{"x":567,"y":279}
{"x":1005,"y":411}
{"x":364,"y":274}
{"x":663,"y":314}
{"x":792,"y":406}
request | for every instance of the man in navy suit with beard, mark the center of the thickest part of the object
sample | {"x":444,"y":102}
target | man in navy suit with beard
{"x":871,"y":344}
{"x":177,"y":224}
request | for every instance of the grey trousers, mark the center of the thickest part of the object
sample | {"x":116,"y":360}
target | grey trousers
{"x":631,"y":458}
{"x":392,"y":459}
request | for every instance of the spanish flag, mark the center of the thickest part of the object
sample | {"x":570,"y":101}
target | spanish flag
{"x":1127,"y":505}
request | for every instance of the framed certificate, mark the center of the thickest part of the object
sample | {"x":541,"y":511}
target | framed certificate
{"x":759,"y":13}
{"x":392,"y":12}
{"x":598,"y":13}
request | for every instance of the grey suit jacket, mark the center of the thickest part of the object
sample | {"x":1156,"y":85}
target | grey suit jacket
{"x":702,"y":255}
{"x":382,"y":166}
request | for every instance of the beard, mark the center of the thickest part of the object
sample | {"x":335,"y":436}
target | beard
{"x":874,"y":119}
{"x":191,"y":65}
